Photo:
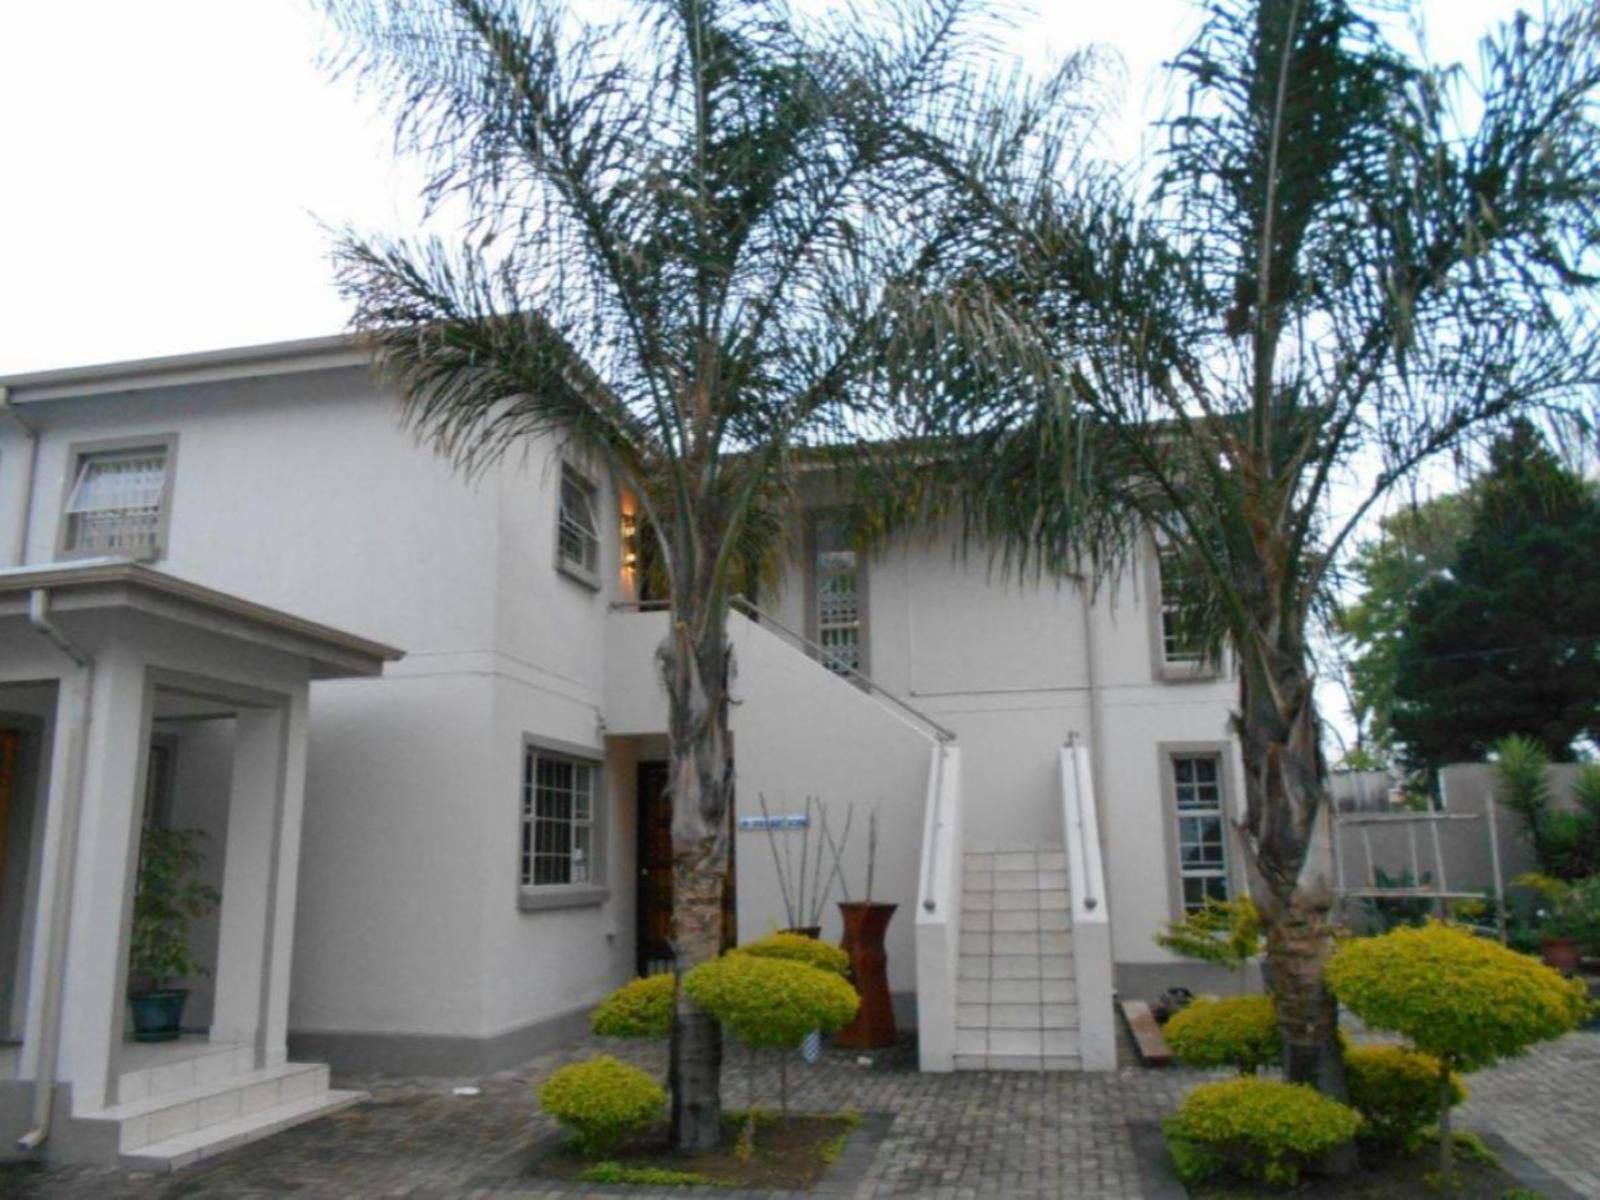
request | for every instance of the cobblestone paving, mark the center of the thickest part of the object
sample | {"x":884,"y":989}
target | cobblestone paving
{"x":954,"y":1137}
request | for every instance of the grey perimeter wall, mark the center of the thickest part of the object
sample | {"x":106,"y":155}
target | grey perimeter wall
{"x":1464,"y":845}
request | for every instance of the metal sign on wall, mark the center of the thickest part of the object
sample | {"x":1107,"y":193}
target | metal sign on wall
{"x":775,"y":821}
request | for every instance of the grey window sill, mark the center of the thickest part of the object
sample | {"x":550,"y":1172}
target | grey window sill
{"x":1188,"y":672}
{"x":553,"y":896}
{"x":578,"y":573}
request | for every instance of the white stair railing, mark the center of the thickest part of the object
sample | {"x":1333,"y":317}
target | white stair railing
{"x":1091,"y":919}
{"x":938,"y":933}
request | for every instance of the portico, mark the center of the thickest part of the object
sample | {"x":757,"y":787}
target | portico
{"x":130,"y":697}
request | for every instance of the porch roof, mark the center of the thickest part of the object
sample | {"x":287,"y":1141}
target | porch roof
{"x":107,"y":583}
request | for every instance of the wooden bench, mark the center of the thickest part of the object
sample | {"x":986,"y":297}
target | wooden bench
{"x":1146,"y":1031}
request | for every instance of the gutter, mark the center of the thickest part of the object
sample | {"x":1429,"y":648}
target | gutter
{"x":65,"y":868}
{"x":30,"y":466}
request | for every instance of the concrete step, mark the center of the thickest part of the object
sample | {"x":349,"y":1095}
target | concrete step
{"x":163,"y":1067}
{"x":1017,"y":1044}
{"x":167,"y":1115}
{"x":184,"y":1149}
{"x":1019,"y":1062}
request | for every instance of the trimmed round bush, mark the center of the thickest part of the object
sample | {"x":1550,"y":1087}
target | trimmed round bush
{"x":1466,"y":1001}
{"x":1397,"y":1091}
{"x":602,"y":1101}
{"x":796,"y":947}
{"x":1238,"y":1031}
{"x":771,"y":1001}
{"x":640,"y":1008}
{"x":1256,"y":1128}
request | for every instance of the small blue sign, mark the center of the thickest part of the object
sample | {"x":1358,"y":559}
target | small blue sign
{"x":778,"y":821}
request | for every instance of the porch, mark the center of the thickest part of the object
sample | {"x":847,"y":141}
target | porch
{"x":133,"y":702}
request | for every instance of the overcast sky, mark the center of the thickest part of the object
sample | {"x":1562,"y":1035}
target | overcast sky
{"x":167,"y":164}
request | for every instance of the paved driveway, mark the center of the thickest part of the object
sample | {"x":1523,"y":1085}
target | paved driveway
{"x":973,"y":1135}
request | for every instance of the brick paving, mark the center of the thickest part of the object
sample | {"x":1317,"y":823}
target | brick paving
{"x":953,"y":1137}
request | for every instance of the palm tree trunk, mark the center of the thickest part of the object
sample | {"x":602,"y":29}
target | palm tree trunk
{"x":695,"y":662}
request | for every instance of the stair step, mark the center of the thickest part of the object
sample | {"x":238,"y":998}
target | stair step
{"x":150,"y":1074}
{"x":1034,"y":1042}
{"x":172,"y":1114}
{"x":1016,"y":991}
{"x":1019,"y":1062}
{"x":1017,"y":1016}
{"x":187,"y":1148}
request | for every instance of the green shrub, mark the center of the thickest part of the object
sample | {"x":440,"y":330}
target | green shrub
{"x":770,"y":1001}
{"x":1258,"y":1128}
{"x":797,"y":947}
{"x":1225,"y":932}
{"x":1239,"y":1032}
{"x":1397,"y":1091}
{"x":640,"y":1008}
{"x":602,"y":1101}
{"x":1466,"y":1001}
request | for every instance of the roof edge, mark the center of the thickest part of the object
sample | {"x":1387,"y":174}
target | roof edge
{"x":326,"y":353}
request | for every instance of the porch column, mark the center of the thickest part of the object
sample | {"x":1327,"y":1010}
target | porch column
{"x":286,"y":874}
{"x":254,"y":807}
{"x":108,"y":848}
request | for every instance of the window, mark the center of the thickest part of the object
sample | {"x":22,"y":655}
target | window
{"x":117,"y":504}
{"x":839,"y":602}
{"x":558,"y":834}
{"x":1202,"y":828}
{"x":1178,"y":645}
{"x":577,"y":531}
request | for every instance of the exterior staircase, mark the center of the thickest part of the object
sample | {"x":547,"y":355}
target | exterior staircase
{"x":1016,"y":991}
{"x":175,"y":1113}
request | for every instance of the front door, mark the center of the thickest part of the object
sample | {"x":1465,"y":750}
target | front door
{"x":10,"y":746}
{"x":653,"y":940}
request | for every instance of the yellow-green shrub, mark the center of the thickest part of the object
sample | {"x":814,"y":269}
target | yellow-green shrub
{"x":1238,"y":1031}
{"x":640,"y":1008}
{"x":797,"y":947}
{"x":1397,"y":1091}
{"x":602,"y":1101}
{"x":771,"y":1001}
{"x":1258,"y":1128}
{"x":1464,"y":1000}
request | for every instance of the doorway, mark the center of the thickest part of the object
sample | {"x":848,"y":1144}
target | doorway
{"x":653,"y":893}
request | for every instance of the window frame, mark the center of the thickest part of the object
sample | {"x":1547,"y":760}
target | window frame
{"x":1227,"y":806}
{"x":813,"y":614}
{"x":79,"y":452}
{"x":1202,"y":667}
{"x":585,"y":484}
{"x":538,"y":897}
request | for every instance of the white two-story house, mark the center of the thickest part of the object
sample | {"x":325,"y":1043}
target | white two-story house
{"x":419,"y":720}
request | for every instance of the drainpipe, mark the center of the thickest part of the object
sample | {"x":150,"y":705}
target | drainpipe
{"x":1092,"y":673}
{"x":65,"y":868}
{"x":30,"y":466}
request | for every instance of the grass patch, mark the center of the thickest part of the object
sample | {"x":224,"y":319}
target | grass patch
{"x":1386,"y":1176}
{"x":792,"y":1155}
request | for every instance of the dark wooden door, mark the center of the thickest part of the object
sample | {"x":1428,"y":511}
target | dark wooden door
{"x":653,"y":898}
{"x":654,"y":893}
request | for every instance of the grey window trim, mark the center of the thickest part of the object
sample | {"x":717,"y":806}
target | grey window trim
{"x":577,"y":571}
{"x":1233,"y":859}
{"x":78,"y":451}
{"x":532,"y":897}
{"x":863,"y":590}
{"x":1163,"y":669}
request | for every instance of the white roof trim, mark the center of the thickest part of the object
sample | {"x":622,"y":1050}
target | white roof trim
{"x":206,"y":366}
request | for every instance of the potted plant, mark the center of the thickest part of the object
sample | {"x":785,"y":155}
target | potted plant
{"x":167,"y":899}
{"x":1568,"y":920}
{"x":866,"y":922}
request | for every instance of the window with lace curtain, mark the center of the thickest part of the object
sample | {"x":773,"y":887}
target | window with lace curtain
{"x":838,"y":611}
{"x":116,"y":506}
{"x":577,"y":528}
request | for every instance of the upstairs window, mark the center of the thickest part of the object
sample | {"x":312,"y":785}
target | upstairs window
{"x":1179,"y":645}
{"x":117,"y":504}
{"x":558,"y":796}
{"x":577,"y":530}
{"x":839,"y":601}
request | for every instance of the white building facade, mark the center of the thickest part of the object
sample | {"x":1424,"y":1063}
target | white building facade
{"x":458,"y":804}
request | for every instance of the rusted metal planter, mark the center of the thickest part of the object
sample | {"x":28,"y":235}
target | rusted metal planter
{"x":865,"y":925}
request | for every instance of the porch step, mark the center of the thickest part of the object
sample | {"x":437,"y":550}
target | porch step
{"x":173,"y":1114}
{"x":187,"y":1148}
{"x":1016,"y":991}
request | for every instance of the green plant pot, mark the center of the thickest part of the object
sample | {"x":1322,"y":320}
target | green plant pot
{"x":157,"y":1015}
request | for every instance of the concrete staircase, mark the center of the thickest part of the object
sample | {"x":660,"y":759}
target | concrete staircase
{"x":1016,"y":995}
{"x":175,"y":1113}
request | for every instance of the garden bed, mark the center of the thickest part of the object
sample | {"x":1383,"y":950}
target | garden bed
{"x":792,"y":1156}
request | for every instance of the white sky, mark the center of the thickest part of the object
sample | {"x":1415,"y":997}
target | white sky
{"x":167,"y":166}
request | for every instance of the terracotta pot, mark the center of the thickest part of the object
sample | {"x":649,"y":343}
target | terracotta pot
{"x":1560,"y":953}
{"x":864,"y":928}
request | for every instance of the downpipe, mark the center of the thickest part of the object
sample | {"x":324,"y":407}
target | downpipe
{"x":30,"y":466}
{"x":66,"y":864}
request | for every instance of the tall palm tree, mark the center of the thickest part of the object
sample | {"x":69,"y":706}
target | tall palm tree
{"x":692,"y":238}
{"x":1351,"y":264}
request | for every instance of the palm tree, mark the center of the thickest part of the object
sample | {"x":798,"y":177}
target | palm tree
{"x":692,"y":239}
{"x":1349,"y":265}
